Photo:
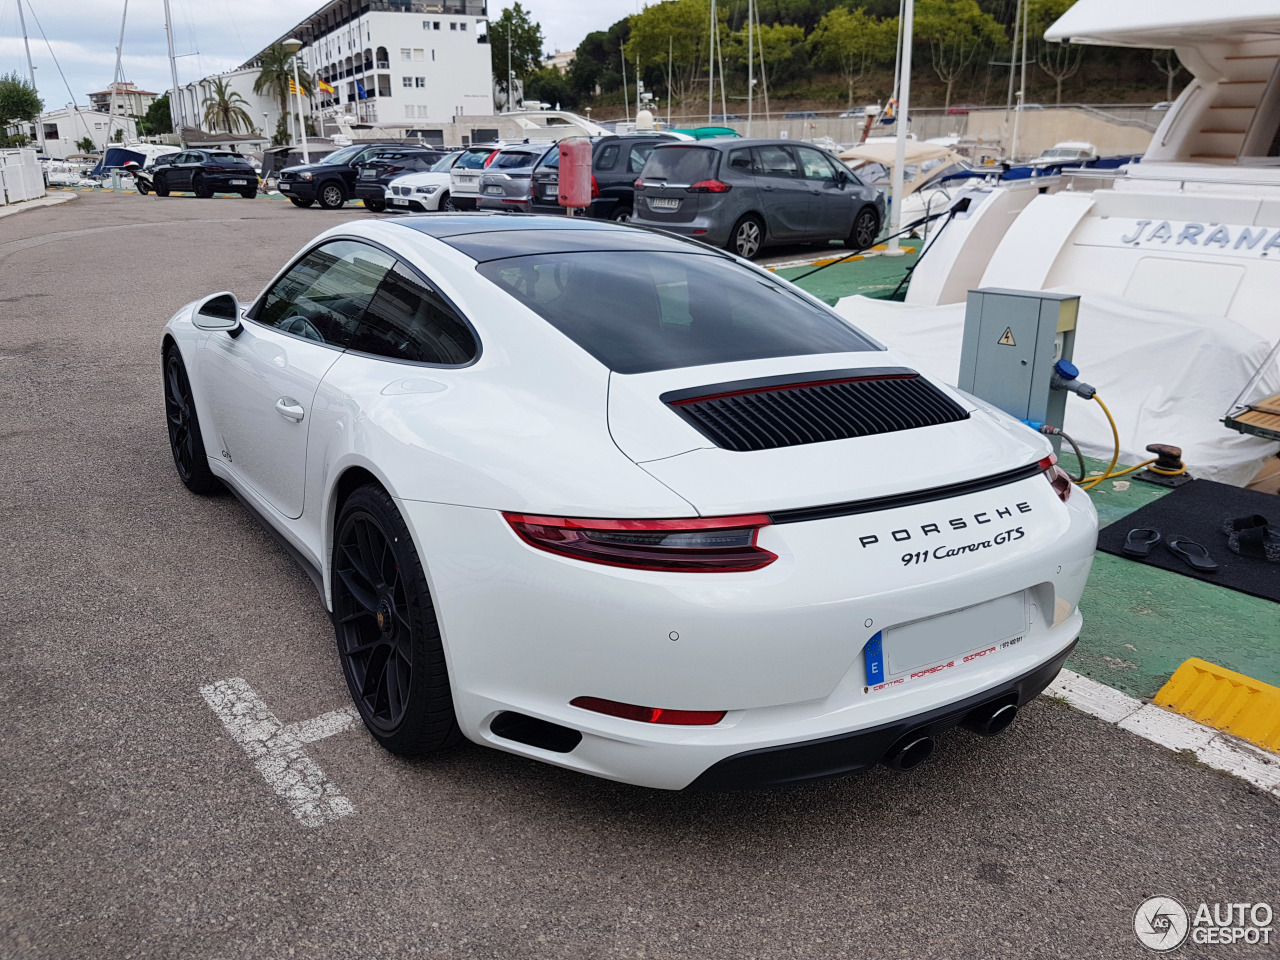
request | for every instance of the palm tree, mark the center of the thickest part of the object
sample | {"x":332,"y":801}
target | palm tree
{"x":224,"y":109}
{"x":275,"y":70}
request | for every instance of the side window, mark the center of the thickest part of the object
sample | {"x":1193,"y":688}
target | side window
{"x":740,"y":161}
{"x":816,"y":166}
{"x":323,"y":295}
{"x":408,"y":320}
{"x":552,"y":159}
{"x":639,"y":154}
{"x":607,"y":157}
{"x":776,"y":161}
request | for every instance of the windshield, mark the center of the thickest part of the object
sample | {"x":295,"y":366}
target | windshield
{"x":473,"y":159}
{"x":636,"y":312}
{"x":345,"y":155}
{"x":444,"y":163}
{"x":1062,"y":154}
{"x":680,"y":164}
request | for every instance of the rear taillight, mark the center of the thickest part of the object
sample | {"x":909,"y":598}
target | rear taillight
{"x":489,"y":159}
{"x":595,"y":187}
{"x":627,"y":711}
{"x":214,"y":168}
{"x":709,"y":186}
{"x":695,"y":545}
{"x":1057,"y":477}
{"x":391,"y":169}
{"x":639,"y":184}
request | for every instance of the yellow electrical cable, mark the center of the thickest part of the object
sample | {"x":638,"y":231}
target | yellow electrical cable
{"x":1115,"y":436}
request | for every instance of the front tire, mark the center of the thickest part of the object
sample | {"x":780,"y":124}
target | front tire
{"x":185,"y":440}
{"x":331,"y":195}
{"x":299,"y":202}
{"x":446,"y":203}
{"x":866,"y":227}
{"x":747,"y":237}
{"x":377,"y":206}
{"x":386,"y":630}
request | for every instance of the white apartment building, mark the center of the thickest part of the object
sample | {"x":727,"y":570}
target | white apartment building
{"x":407,"y":64}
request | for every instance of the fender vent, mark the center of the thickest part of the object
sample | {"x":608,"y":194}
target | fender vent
{"x":834,"y":405}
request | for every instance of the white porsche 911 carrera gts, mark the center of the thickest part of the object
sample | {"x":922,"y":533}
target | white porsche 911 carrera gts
{"x":624,"y":503}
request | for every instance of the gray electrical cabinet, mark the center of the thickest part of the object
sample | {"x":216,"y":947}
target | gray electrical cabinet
{"x":1012,"y":339}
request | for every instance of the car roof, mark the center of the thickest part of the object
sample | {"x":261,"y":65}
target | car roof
{"x":733,"y":143}
{"x":496,"y":236}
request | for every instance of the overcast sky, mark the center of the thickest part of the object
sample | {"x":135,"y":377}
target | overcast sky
{"x":209,"y":36}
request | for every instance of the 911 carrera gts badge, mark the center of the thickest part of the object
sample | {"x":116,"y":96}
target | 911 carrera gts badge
{"x":907,"y":534}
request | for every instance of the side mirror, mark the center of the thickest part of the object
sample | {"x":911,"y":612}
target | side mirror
{"x":218,"y":311}
{"x":842,"y":178}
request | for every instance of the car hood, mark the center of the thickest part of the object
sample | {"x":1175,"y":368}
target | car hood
{"x":723,"y":481}
{"x":421,"y":179}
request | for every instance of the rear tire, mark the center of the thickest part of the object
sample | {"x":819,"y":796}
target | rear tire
{"x":331,"y":195}
{"x":249,"y":194}
{"x":866,"y":227}
{"x":200,"y":188}
{"x":747,"y":237}
{"x":186,"y":443}
{"x":162,"y":188}
{"x":299,"y":202}
{"x":386,"y":630}
{"x":141,"y":188}
{"x":377,"y":206}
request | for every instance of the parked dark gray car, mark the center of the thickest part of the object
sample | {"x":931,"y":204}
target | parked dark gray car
{"x":745,"y":194}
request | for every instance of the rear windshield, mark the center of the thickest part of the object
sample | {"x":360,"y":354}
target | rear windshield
{"x":513,"y":159}
{"x":641,"y":311}
{"x":473,"y":159}
{"x":680,"y":164}
{"x":228,"y":157}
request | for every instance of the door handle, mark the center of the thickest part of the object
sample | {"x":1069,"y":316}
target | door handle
{"x":767,"y":187}
{"x":290,"y":409}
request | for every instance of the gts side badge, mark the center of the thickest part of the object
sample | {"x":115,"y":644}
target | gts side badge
{"x":905,"y":534}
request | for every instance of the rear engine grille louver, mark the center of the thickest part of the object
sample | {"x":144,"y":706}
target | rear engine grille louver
{"x":811,"y":408}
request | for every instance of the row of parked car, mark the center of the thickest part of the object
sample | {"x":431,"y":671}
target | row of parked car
{"x":733,"y":193}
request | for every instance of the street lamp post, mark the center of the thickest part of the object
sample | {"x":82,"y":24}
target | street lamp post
{"x":292,"y":46}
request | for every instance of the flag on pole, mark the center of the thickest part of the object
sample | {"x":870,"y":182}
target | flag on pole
{"x":360,"y":91}
{"x":324,"y":87}
{"x":890,"y":112}
{"x":293,"y":88}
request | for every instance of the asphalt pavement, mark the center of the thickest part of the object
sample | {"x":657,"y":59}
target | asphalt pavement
{"x":132,"y":824}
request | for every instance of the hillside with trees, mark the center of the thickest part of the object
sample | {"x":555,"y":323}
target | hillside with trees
{"x":829,"y":55}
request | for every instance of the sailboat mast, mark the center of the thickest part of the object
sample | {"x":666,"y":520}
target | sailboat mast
{"x":670,"y":46}
{"x":32,"y":70}
{"x":175,"y":106}
{"x":626,"y":105}
{"x":115,"y":82}
{"x":711,"y":63}
{"x":751,"y":61}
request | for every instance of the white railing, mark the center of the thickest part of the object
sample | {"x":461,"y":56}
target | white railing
{"x":20,"y":176}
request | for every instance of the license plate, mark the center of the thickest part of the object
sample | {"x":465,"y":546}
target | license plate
{"x":497,"y":190}
{"x":664,"y":203}
{"x":239,"y":183}
{"x":367,"y":174}
{"x":467,"y":177}
{"x":552,"y":190}
{"x":400,"y":202}
{"x":960,"y":635}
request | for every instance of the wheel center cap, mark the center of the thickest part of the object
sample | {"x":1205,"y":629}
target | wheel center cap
{"x":386,"y":616}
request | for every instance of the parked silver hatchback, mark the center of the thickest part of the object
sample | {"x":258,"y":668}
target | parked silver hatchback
{"x":745,"y":194}
{"x":507,"y":180}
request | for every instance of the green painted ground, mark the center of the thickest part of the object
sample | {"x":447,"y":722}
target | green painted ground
{"x":1140,"y":623}
{"x":873,"y":277}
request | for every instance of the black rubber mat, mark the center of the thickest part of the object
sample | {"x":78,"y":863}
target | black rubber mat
{"x":1196,"y":510}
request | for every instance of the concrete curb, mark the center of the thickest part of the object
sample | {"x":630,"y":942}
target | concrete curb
{"x":1212,"y":747}
{"x":47,"y":200}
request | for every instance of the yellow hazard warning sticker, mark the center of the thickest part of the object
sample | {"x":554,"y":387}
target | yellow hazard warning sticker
{"x":1006,"y":338}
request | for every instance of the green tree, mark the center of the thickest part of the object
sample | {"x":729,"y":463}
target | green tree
{"x":86,"y":144}
{"x":955,"y":30}
{"x":275,"y":70}
{"x":224,"y":109}
{"x":550,"y":86}
{"x":678,"y":27}
{"x":597,"y":61}
{"x":781,"y":46}
{"x":852,"y":41}
{"x":1060,"y":61}
{"x":156,"y":120}
{"x":514,"y":30}
{"x":118,"y":136}
{"x":18,"y":100}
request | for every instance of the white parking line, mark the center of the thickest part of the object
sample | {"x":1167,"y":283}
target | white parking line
{"x":1213,"y":747}
{"x":276,"y":749}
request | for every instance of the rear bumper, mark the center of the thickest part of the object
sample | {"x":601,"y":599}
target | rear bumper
{"x":848,"y":753}
{"x":372,"y":190}
{"x":707,"y":229}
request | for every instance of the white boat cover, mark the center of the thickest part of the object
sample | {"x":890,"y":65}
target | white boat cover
{"x":1166,"y":377}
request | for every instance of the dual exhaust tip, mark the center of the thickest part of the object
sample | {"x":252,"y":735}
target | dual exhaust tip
{"x":915,"y":748}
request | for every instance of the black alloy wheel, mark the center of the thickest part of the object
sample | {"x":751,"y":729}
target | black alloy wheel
{"x":299,"y":202}
{"x":747,"y":237}
{"x":200,"y":187}
{"x":385,"y":624}
{"x":866,"y":227}
{"x":185,"y":439}
{"x":161,"y":186}
{"x":377,"y":206}
{"x":331,"y":195}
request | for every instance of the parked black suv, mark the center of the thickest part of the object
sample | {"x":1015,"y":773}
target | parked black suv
{"x":616,"y":161}
{"x":331,"y":180}
{"x":372,"y":176}
{"x":206,"y":172}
